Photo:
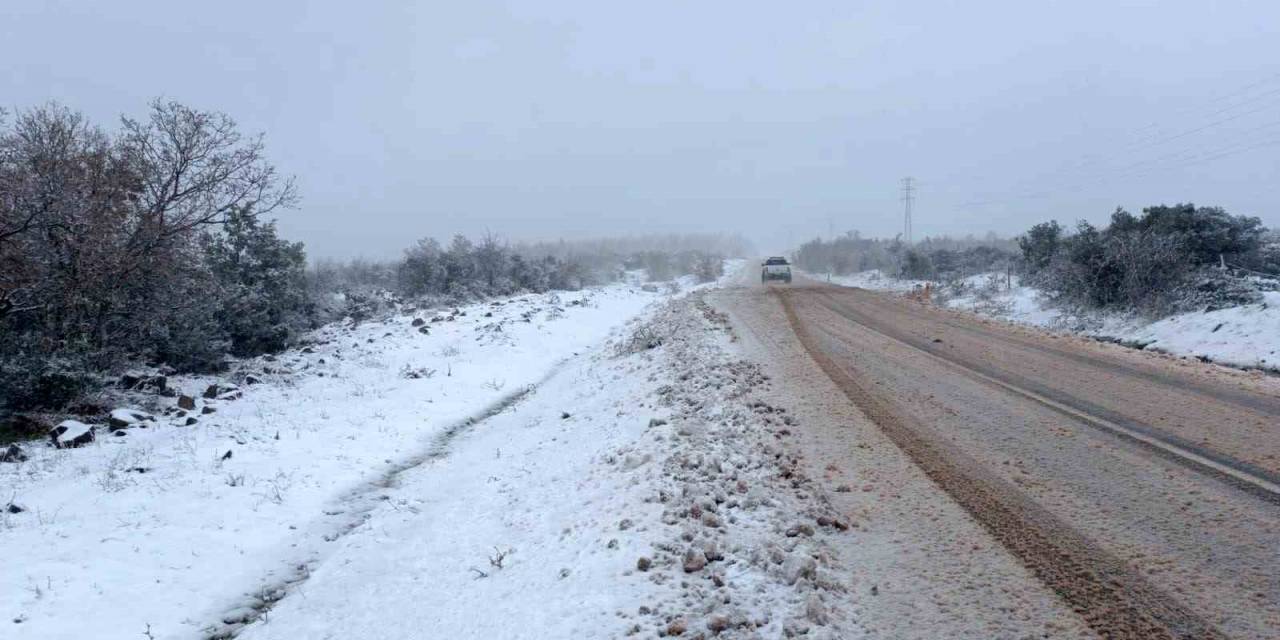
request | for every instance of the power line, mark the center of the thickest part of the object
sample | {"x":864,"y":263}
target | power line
{"x":1090,"y":168}
{"x":1137,"y":171}
{"x":1215,"y":123}
{"x":1111,"y":174}
{"x":1222,"y":98}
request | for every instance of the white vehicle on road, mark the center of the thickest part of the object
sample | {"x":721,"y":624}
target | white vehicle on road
{"x":775,"y":268}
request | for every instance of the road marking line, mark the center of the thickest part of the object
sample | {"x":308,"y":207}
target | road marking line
{"x":1103,"y":423}
{"x":1244,"y":477}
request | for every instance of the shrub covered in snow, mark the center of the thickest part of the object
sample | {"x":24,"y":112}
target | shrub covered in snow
{"x":1155,"y":263}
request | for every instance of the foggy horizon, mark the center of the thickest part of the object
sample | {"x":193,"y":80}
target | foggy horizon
{"x":574,"y":120}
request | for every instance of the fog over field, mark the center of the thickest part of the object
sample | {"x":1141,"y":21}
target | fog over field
{"x":892,"y":320}
{"x":540,"y":120}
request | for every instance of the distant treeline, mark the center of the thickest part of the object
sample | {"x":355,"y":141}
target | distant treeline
{"x":466,"y":269}
{"x":1169,"y":258}
{"x":938,"y":258}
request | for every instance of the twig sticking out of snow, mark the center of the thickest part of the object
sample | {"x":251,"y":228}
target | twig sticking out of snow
{"x":499,"y":556}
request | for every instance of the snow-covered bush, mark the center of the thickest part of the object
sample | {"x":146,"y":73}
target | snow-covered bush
{"x":1210,"y":289}
{"x":708,"y":268}
{"x":1156,"y":263}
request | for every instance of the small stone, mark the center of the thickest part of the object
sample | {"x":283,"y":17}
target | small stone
{"x":677,"y":627}
{"x":717,"y":624}
{"x":712,"y":552}
{"x":815,"y":611}
{"x":186,"y":402}
{"x":799,"y":529}
{"x":796,"y":568}
{"x":190,"y":421}
{"x":694,"y":561}
{"x":644,"y":564}
{"x":206,"y":410}
{"x":795,"y":628}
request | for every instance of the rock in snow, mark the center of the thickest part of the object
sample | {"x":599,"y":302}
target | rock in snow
{"x":70,"y":434}
{"x":125,"y":418}
{"x":219,"y":388}
{"x":694,"y":561}
{"x":13,"y":453}
{"x":144,"y":382}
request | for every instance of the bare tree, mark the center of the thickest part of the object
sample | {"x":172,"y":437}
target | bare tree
{"x":195,"y":168}
{"x":101,"y":235}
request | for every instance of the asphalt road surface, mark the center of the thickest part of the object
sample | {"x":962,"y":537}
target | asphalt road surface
{"x":1140,"y":491}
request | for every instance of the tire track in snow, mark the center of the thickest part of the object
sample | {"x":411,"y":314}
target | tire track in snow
{"x":367,"y":496}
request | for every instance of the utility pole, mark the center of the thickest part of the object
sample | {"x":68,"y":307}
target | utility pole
{"x":908,"y":196}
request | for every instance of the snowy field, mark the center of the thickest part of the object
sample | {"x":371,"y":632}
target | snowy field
{"x":176,"y":530}
{"x":590,"y":465}
{"x":637,"y":491}
{"x":1246,"y":336}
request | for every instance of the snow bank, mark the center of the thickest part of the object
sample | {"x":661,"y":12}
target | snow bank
{"x":1246,"y":336}
{"x":873,"y":279}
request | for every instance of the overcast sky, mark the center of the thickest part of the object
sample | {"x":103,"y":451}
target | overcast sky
{"x":782,"y":120}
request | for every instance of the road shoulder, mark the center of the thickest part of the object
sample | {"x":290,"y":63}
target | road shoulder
{"x":919,"y":565}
